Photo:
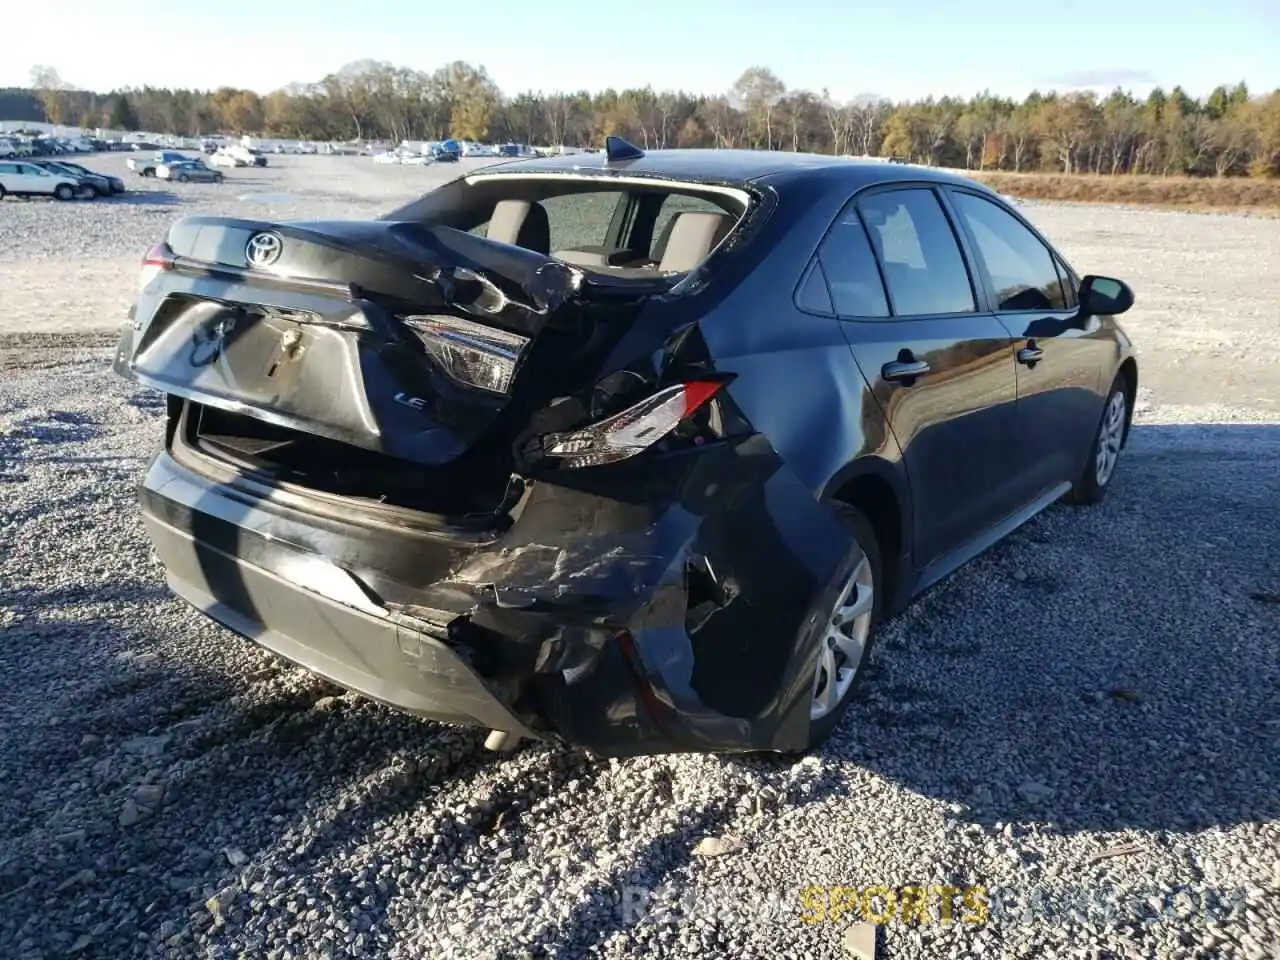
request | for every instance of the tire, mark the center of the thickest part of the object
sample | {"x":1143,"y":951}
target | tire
{"x":1104,"y":452}
{"x":1,"y":191}
{"x":218,"y":179}
{"x":64,"y":192}
{"x":858,"y":583}
{"x":148,"y":172}
{"x":183,"y":178}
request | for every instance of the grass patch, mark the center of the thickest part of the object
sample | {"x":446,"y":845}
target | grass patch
{"x":1237,"y":194}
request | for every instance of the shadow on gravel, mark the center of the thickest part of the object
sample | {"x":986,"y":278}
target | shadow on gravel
{"x":1105,"y":668}
{"x":125,"y":786}
{"x":148,"y":198}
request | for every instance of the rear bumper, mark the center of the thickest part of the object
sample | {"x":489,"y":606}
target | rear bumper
{"x":609,"y":623}
{"x":390,"y":658}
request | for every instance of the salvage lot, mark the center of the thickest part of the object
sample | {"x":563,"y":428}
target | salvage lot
{"x":1103,"y":682}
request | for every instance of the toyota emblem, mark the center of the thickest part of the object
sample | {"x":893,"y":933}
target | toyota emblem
{"x":263,"y":249}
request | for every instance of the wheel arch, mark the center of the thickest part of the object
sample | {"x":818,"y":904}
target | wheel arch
{"x":1128,"y":374}
{"x":878,"y":489}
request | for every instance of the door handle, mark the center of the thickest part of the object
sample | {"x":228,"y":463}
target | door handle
{"x":904,"y":369}
{"x":1030,"y":354}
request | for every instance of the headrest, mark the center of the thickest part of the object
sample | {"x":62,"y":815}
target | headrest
{"x":521,"y":223}
{"x":692,"y":237}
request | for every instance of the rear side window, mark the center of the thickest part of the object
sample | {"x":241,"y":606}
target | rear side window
{"x":813,"y":297}
{"x":580,"y":219}
{"x":850,"y":268}
{"x":1021,"y":268}
{"x":923,"y":266}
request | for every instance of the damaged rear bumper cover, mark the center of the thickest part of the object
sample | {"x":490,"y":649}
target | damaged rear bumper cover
{"x":594,"y":647}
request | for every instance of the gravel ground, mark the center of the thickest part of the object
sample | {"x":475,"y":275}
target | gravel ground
{"x":1083,"y":721}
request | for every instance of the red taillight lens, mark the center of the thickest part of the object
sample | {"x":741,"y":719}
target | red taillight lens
{"x":633,"y":430}
{"x":158,"y":259}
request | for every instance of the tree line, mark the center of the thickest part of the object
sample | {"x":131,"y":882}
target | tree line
{"x":1228,"y":133}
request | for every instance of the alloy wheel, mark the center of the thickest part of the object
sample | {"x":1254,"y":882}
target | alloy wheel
{"x":1110,"y":436}
{"x":843,"y":641}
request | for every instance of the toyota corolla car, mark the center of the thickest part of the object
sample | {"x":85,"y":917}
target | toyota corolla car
{"x":631,"y":452}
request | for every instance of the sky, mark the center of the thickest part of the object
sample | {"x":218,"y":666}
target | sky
{"x":903,"y":50}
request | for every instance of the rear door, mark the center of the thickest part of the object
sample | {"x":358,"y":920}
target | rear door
{"x":939,"y":365}
{"x":31,"y":179}
{"x":1060,"y":356}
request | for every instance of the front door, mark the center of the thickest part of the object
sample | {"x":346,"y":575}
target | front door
{"x":1060,"y":356}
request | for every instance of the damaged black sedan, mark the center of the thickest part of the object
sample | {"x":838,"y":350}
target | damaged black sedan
{"x":628,"y":451}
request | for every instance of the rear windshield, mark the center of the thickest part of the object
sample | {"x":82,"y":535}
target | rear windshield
{"x":625,"y":228}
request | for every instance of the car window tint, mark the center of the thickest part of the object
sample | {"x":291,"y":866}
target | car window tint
{"x":850,"y":268}
{"x":673,"y":204}
{"x":8,"y":168}
{"x":923,"y":266}
{"x":580,"y":219}
{"x":1020,"y":266}
{"x":813,"y":296}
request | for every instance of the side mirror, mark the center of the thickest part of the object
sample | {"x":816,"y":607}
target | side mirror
{"x":1104,"y":296}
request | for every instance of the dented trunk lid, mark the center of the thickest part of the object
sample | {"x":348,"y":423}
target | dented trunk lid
{"x":311,"y":326}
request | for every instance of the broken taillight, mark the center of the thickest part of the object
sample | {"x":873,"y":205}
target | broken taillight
{"x":158,"y":259}
{"x":471,"y":353}
{"x":633,"y":430}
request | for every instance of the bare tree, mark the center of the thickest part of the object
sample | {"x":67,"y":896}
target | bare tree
{"x":758,"y":90}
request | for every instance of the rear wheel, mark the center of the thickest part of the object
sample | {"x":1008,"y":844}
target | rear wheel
{"x":848,"y":612}
{"x":1,"y":191}
{"x":64,"y":192}
{"x":1093,"y":482}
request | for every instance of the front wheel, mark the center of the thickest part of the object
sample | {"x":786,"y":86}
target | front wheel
{"x":1093,"y":482}
{"x":183,"y":178}
{"x":64,"y":192}
{"x":845,"y":616}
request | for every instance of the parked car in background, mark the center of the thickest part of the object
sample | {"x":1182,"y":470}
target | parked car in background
{"x":147,"y":167}
{"x":101,"y":185}
{"x":223,"y":157}
{"x":447,"y":152}
{"x":645,"y":481}
{"x":252,"y":156}
{"x":236,"y":155}
{"x":116,"y":184}
{"x":186,"y":171}
{"x":27,"y":179}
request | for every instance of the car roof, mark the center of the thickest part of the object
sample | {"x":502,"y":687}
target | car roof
{"x":728,"y":167}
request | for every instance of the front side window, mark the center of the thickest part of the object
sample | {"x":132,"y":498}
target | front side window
{"x":1021,"y":268}
{"x":918,"y":252}
{"x":1068,"y":284}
